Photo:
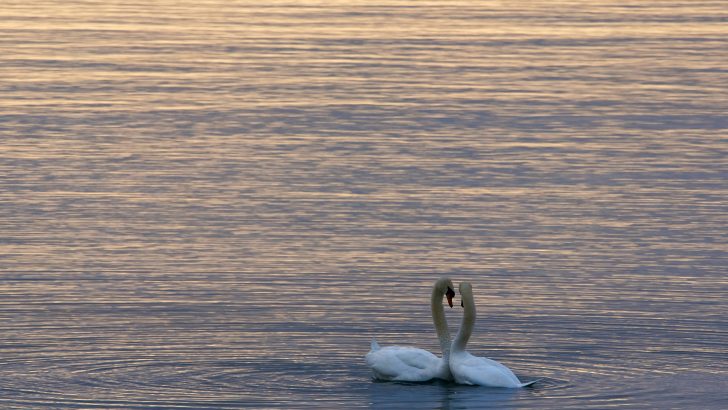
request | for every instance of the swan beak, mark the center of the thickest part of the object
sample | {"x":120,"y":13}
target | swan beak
{"x":449,"y":294}
{"x":462,"y":305}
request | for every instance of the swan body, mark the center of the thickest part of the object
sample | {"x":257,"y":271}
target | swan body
{"x":473,"y":370}
{"x":482,"y":371}
{"x":410,"y":364}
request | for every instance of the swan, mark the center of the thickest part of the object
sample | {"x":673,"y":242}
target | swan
{"x":473,"y":370}
{"x":410,"y":364}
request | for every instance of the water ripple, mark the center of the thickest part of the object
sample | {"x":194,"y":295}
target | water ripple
{"x":217,"y":204}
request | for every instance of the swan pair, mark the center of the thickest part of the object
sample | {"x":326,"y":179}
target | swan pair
{"x":396,"y":363}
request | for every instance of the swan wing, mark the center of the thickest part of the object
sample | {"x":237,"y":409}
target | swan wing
{"x":403,"y":364}
{"x":469,"y":369}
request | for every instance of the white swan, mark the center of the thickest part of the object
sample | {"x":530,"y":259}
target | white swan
{"x":410,"y":364}
{"x":469,"y":369}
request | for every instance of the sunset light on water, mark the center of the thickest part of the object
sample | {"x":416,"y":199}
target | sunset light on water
{"x":218,"y":204}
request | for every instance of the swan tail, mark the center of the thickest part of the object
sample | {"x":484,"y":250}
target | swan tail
{"x":375,"y":345}
{"x":531,"y":383}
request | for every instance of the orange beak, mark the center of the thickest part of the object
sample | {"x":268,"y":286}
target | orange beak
{"x":449,"y":295}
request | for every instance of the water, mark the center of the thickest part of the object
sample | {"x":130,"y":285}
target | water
{"x":217,"y":204}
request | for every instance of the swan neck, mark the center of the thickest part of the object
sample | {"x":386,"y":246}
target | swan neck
{"x":438,"y":317}
{"x":467,"y":323}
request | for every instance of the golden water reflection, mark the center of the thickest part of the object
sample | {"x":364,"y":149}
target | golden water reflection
{"x":217,"y":204}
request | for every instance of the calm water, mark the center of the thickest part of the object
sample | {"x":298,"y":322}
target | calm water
{"x":216,"y":204}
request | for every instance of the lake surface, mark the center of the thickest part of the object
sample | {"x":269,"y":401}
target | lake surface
{"x":217,"y":204}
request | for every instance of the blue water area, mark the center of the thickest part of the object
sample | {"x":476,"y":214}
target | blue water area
{"x":217,"y":204}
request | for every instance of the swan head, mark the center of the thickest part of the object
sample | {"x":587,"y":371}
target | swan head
{"x":446,"y":286}
{"x":465,"y":288}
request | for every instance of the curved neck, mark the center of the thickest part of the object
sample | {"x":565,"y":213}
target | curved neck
{"x":438,"y":317}
{"x":466,"y":326}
